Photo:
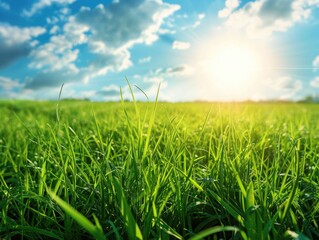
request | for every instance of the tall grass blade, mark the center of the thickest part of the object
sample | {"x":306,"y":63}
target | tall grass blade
{"x":32,"y":230}
{"x":213,"y":230}
{"x":228,"y":207}
{"x":96,"y":232}
{"x":250,"y":213}
{"x":168,"y":229}
{"x":133,"y":229}
{"x":57,"y":105}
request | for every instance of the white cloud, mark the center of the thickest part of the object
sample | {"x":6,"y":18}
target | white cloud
{"x":182,"y":16}
{"x":315,"y":82}
{"x":55,"y":55}
{"x":52,"y":20}
{"x":12,"y":35}
{"x":4,"y":5}
{"x":201,"y":16}
{"x":159,"y":74}
{"x":197,"y":22}
{"x":110,"y":61}
{"x":143,"y":17}
{"x":43,"y":4}
{"x":16,"y":42}
{"x":54,"y":30}
{"x":111,"y":90}
{"x":108,"y":32}
{"x":261,"y":18}
{"x":286,"y":83}
{"x":75,"y":32}
{"x":315,"y":62}
{"x":230,"y":6}
{"x":34,"y":43}
{"x":179,"y":45}
{"x":286,"y":86}
{"x":166,"y":31}
{"x":181,"y":70}
{"x":8,"y":83}
{"x":111,"y":39}
{"x":58,"y":57}
{"x":65,"y":11}
{"x":145,"y":60}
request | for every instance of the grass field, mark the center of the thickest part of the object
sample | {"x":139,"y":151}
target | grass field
{"x":159,"y":170}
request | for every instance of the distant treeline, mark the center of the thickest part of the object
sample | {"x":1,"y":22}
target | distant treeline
{"x":310,"y":99}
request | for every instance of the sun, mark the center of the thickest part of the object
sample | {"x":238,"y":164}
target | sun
{"x":234,"y":67}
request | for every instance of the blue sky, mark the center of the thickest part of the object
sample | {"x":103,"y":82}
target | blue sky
{"x":196,"y":50}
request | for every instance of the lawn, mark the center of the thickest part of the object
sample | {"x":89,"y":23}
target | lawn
{"x":126,"y":170}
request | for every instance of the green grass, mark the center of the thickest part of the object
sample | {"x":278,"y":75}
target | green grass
{"x":159,"y":170}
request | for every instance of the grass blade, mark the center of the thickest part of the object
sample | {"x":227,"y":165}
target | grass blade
{"x":250,"y":213}
{"x":228,"y":207}
{"x":96,"y":232}
{"x":133,"y":229}
{"x":214,"y":230}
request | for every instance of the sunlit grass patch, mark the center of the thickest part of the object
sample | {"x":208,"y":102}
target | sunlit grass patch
{"x":159,"y":170}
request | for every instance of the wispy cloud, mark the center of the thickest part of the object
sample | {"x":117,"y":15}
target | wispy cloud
{"x":179,"y":45}
{"x":43,"y":4}
{"x":109,"y":91}
{"x":315,"y":62}
{"x":195,"y":24}
{"x":315,"y":82}
{"x":8,"y":83}
{"x":180,"y":70}
{"x":52,"y":20}
{"x":4,"y":5}
{"x":201,"y":16}
{"x":54,"y":30}
{"x":286,"y":86}
{"x":230,"y":6}
{"x":286,"y":83}
{"x":145,"y":59}
{"x":161,"y":74}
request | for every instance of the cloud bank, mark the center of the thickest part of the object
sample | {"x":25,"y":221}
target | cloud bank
{"x":108,"y":32}
{"x":261,"y":18}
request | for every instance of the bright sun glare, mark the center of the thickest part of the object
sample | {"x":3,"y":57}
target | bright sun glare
{"x":234,"y":67}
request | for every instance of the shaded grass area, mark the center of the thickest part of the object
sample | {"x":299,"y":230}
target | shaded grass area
{"x":159,"y":170}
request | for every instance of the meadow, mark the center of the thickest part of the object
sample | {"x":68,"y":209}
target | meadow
{"x":128,"y":170}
